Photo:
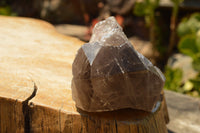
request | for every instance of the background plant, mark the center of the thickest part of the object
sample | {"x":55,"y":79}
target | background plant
{"x":147,"y":8}
{"x":189,"y":33}
{"x":5,"y":8}
{"x":189,"y":44}
{"x":173,"y":24}
{"x":173,"y":79}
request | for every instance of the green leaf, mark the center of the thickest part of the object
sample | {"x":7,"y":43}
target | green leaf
{"x":198,"y":40}
{"x":189,"y":25}
{"x":139,"y":8}
{"x":188,"y":46}
{"x":173,"y":78}
{"x":196,"y":83}
{"x":196,"y":64}
{"x":195,"y":16}
{"x":145,"y":8}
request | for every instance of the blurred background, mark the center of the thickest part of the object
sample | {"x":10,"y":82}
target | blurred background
{"x":165,"y":31}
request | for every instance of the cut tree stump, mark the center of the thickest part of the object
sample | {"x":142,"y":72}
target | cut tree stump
{"x":35,"y":86}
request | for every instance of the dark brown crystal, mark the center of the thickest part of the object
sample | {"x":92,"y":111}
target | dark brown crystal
{"x":108,"y":74}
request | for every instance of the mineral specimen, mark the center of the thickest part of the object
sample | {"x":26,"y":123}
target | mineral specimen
{"x":109,"y":74}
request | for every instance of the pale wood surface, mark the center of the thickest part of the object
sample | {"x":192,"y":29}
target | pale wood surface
{"x":32,"y":52}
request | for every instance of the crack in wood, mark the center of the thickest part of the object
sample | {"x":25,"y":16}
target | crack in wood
{"x":59,"y":117}
{"x":26,"y":110}
{"x":116,"y":126}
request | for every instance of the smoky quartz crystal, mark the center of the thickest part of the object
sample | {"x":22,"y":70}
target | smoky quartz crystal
{"x":109,"y":74}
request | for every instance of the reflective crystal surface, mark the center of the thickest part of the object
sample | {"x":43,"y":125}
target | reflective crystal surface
{"x":109,"y":74}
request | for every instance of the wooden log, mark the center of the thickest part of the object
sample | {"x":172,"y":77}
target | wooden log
{"x":35,"y":86}
{"x":164,"y":108}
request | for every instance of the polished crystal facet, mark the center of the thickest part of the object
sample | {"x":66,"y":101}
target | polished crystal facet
{"x":109,"y":74}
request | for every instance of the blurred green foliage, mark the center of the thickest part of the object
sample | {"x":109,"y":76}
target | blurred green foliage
{"x":7,"y":11}
{"x":146,"y":9}
{"x":174,"y":82}
{"x":173,"y":79}
{"x":5,"y":8}
{"x":189,"y":44}
{"x":189,"y":33}
{"x":189,"y":25}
